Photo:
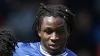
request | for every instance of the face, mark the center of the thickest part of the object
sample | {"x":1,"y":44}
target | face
{"x":53,"y":34}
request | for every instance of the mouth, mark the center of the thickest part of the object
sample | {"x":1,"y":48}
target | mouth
{"x":53,"y":47}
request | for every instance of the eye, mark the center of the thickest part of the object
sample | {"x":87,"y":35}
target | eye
{"x":49,"y":31}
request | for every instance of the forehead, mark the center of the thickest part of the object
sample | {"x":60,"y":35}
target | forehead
{"x":50,"y":20}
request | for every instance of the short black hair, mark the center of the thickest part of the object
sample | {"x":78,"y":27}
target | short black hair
{"x":7,"y":42}
{"x":54,"y":10}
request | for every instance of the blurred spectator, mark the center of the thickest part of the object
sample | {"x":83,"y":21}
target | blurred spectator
{"x":21,"y":17}
{"x":81,"y":36}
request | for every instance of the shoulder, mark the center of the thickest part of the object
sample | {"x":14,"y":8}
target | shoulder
{"x":27,"y":48}
{"x":70,"y":53}
{"x":21,"y":44}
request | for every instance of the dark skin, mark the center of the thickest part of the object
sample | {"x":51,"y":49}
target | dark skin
{"x":53,"y":34}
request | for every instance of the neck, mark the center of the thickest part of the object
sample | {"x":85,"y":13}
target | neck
{"x":50,"y":52}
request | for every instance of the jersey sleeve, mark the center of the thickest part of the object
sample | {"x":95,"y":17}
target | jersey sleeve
{"x":19,"y":51}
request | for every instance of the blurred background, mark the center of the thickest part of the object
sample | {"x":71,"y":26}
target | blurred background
{"x":18,"y":16}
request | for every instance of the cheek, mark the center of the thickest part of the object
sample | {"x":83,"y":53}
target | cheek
{"x":44,"y":36}
{"x":63,"y":36}
{"x":45,"y":39}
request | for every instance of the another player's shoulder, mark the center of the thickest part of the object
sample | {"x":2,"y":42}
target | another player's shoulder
{"x":27,"y":45}
{"x":27,"y":49}
{"x":70,"y":53}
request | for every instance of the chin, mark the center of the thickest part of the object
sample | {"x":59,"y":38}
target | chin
{"x":55,"y":51}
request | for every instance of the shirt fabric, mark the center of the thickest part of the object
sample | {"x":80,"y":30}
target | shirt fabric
{"x":34,"y":49}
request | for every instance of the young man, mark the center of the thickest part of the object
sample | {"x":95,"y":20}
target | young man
{"x":53,"y":25}
{"x":7,"y":43}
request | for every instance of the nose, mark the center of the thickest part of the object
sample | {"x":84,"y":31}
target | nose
{"x":54,"y":36}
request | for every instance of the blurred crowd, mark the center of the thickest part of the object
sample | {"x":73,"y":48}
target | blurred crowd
{"x":18,"y":16}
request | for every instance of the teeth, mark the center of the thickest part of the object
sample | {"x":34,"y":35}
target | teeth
{"x":54,"y":47}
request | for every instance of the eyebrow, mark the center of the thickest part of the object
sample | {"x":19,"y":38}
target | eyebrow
{"x":58,"y":27}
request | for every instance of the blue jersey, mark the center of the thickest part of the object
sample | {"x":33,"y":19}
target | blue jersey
{"x":33,"y":49}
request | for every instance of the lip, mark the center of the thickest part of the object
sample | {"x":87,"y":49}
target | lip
{"x":54,"y":46}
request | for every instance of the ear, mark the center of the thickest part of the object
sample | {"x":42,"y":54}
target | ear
{"x":39,"y":33}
